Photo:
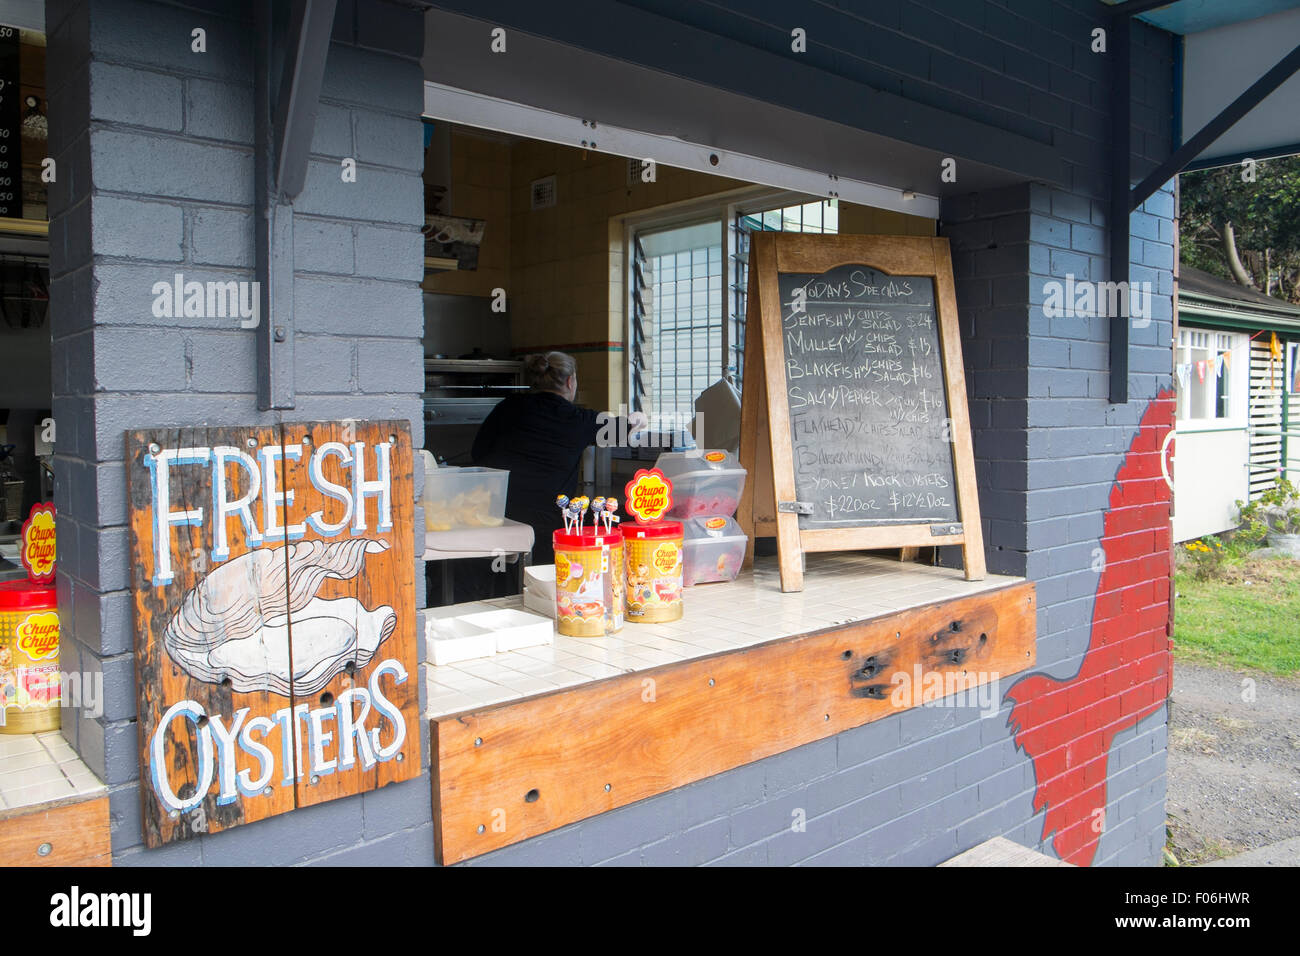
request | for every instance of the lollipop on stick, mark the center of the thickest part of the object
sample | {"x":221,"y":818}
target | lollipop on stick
{"x":562,"y":501}
{"x":611,"y":506}
{"x":597,"y":506}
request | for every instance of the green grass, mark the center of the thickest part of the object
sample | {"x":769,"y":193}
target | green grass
{"x":1228,"y":622}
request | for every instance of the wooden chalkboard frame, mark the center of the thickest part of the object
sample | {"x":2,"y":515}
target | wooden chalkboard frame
{"x":765,"y":442}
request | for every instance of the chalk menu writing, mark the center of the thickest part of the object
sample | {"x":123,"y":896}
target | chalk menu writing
{"x":11,"y":173}
{"x":869,"y":423}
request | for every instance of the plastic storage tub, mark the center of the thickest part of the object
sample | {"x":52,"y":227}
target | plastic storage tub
{"x":714,"y":550}
{"x":704,"y":482}
{"x":464,"y":498}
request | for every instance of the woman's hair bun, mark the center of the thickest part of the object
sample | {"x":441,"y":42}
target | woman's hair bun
{"x":549,"y":371}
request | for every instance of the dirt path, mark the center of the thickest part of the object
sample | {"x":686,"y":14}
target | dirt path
{"x":1234,"y":762}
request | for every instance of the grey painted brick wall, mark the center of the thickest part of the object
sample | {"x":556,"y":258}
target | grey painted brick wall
{"x":154,"y":150}
{"x":915,"y":788}
{"x":923,"y":786}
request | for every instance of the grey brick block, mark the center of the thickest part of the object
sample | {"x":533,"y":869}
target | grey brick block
{"x":219,"y":111}
{"x":139,"y":360}
{"x":222,"y":237}
{"x":223,"y":362}
{"x":386,"y":139}
{"x":134,"y":97}
{"x":691,"y":848}
{"x":559,"y":848}
{"x":137,"y":230}
{"x":631,"y":858}
{"x":795,"y":768}
{"x":104,"y":622}
{"x":372,"y":79}
{"x":322,"y":245}
{"x":388,"y":365}
{"x":323,"y":363}
{"x":774,"y":815}
{"x":166,"y":166}
{"x":755,"y":855}
{"x":378,"y":195}
{"x":332,"y":134}
{"x":410,"y":848}
{"x":121,"y":751}
{"x":185,"y":853}
{"x":390,"y":253}
{"x":398,"y":806}
{"x":296,"y":837}
{"x":332,"y":305}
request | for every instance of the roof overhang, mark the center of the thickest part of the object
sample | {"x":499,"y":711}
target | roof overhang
{"x":623,"y":66}
{"x":1229,"y":45}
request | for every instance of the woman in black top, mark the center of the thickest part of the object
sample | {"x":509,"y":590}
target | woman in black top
{"x":539,"y":437}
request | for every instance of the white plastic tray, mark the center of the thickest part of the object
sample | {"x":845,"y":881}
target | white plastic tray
{"x":514,"y":629}
{"x":452,"y":639}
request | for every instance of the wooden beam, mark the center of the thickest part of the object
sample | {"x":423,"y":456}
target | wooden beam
{"x":519,"y":769}
{"x":76,"y":834}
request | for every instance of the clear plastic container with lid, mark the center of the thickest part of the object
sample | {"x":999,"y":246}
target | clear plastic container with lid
{"x":705,"y":482}
{"x":714,"y":549}
{"x":470,"y":497}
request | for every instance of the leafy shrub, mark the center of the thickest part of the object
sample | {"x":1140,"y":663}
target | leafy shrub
{"x":1206,"y":555}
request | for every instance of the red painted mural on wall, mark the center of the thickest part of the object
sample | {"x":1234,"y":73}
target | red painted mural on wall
{"x":1067,"y":726}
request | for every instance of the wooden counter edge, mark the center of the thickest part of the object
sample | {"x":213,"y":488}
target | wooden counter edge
{"x":76,"y":829}
{"x":562,"y":756}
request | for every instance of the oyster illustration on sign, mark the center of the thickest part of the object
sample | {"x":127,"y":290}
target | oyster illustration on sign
{"x":234,"y":624}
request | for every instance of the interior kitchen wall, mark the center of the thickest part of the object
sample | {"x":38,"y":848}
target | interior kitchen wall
{"x":563,"y":267}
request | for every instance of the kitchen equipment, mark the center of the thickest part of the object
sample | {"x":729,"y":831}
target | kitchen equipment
{"x":458,"y":395}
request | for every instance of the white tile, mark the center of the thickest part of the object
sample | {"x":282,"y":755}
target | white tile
{"x":14,"y":744}
{"x":24,"y":761}
{"x":40,"y":793}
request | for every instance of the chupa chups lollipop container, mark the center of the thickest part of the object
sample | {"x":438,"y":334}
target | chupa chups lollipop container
{"x":588,"y":582}
{"x":29,"y":657}
{"x":654,"y":550}
{"x":654,"y":571}
{"x":707,"y":482}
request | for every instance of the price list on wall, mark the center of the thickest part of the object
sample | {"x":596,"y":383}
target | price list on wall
{"x":11,"y":172}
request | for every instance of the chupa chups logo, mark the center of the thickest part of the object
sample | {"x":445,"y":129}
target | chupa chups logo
{"x":665,"y":558}
{"x":38,"y":543}
{"x":649,"y":495}
{"x":713,"y":524}
{"x":38,"y":635}
{"x":715,"y":456}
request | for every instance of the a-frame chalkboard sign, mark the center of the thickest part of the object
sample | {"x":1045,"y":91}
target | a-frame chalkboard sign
{"x":854,"y":424}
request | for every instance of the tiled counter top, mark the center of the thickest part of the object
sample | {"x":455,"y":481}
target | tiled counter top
{"x":42,"y":770}
{"x":839,"y":588}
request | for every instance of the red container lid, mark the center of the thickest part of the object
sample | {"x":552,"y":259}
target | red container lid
{"x":654,"y":529}
{"x":588,"y":539}
{"x":22,"y":594}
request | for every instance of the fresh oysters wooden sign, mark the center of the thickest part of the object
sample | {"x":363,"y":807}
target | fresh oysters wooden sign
{"x":273,"y":582}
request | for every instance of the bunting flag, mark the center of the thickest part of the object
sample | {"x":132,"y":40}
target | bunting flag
{"x":1184,"y":372}
{"x":1218,"y":366}
{"x":1274,"y":353}
{"x":1200,"y":371}
{"x":1227,"y":360}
